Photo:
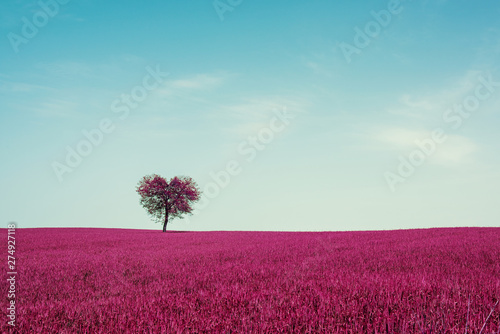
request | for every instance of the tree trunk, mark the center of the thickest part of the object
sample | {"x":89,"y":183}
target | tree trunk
{"x":166,"y":221}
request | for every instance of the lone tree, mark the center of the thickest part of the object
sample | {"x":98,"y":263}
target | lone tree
{"x":167,"y":199}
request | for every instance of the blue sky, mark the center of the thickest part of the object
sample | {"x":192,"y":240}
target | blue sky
{"x":401,"y":133}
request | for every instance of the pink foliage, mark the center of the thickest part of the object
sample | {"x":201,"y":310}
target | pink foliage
{"x":138,"y":281}
{"x":167,"y":199}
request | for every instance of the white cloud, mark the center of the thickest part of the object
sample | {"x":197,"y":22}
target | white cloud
{"x":71,"y":69}
{"x":236,"y":115}
{"x":200,"y":81}
{"x":400,"y":138}
{"x":57,"y":108}
{"x":456,"y":150}
{"x":453,"y":151}
{"x":423,"y":104}
{"x":185,"y":86}
{"x":435,"y":104}
{"x":67,"y":68}
{"x":254,"y":114}
{"x":20,"y":87}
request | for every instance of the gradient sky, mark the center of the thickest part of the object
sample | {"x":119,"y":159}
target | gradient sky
{"x":229,"y":74}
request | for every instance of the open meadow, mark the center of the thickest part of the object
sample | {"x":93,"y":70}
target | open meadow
{"x":92,"y":280}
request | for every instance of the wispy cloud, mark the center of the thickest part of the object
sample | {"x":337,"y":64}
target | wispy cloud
{"x":399,"y":138}
{"x":57,"y":108}
{"x":10,"y":86}
{"x":239,"y":115}
{"x":70,"y":17}
{"x":183,"y":87}
{"x":454,"y":151}
{"x":434,"y":104}
{"x":68,"y":68}
{"x":71,"y":68}
{"x":200,"y":81}
{"x":457,"y":150}
{"x":254,"y":113}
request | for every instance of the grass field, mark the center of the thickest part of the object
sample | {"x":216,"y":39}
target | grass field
{"x":139,"y":281}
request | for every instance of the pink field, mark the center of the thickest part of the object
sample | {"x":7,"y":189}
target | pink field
{"x":138,"y":281}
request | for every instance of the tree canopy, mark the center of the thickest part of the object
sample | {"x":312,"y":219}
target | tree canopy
{"x":164,"y":200}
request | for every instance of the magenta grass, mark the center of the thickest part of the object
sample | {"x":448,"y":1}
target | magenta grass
{"x":138,"y":281}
